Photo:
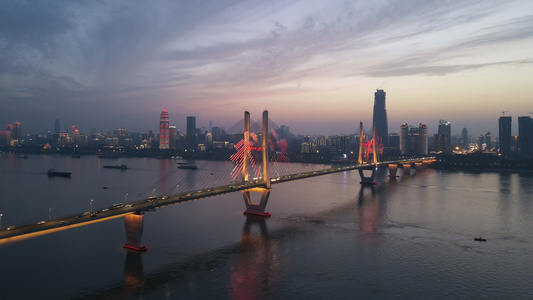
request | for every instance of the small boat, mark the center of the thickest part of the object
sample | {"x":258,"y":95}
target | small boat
{"x":53,"y":172}
{"x":121,"y":167}
{"x":479,"y":239}
{"x":75,"y":156}
{"x":23,"y":156}
{"x":108,"y":155}
{"x":188,"y":167}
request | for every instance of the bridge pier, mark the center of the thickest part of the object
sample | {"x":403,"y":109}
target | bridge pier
{"x":257,"y":209}
{"x":406,"y":169}
{"x":419,"y":166}
{"x":368,"y":179}
{"x":393,"y":169}
{"x":134,"y":224}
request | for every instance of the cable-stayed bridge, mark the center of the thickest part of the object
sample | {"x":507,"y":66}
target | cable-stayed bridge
{"x":259,"y":163}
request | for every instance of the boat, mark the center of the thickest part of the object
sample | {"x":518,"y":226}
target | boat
{"x":108,"y":155}
{"x":188,"y":167}
{"x":53,"y":172}
{"x":479,"y":239}
{"x":75,"y":156}
{"x":23,"y":156}
{"x":121,"y":167}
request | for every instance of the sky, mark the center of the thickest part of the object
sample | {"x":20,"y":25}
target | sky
{"x":315,"y":65}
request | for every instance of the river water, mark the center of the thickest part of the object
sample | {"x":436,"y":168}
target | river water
{"x":328,"y":237}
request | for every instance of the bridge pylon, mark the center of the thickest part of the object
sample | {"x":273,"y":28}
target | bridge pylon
{"x":372,"y":167}
{"x":254,"y":208}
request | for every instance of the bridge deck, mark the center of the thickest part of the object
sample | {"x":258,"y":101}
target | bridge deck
{"x":152,"y":203}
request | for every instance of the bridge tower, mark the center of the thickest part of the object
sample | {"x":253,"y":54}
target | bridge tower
{"x":369,"y":146}
{"x":251,"y":207}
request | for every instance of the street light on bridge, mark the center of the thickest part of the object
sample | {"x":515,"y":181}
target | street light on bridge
{"x":91,"y":206}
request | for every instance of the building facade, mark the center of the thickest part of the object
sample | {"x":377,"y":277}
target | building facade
{"x":380,"y":117}
{"x":164,"y":135}
{"x":525,"y":136}
{"x":413,"y":139}
{"x":505,"y":137}
{"x":442,"y":140}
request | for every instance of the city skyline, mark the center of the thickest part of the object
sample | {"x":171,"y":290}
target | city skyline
{"x":313,"y":64}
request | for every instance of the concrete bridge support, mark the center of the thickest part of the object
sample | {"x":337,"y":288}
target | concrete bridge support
{"x":406,"y":169}
{"x":134,"y":231}
{"x":368,"y":179}
{"x":393,"y":169}
{"x":419,"y":166}
{"x":257,"y":209}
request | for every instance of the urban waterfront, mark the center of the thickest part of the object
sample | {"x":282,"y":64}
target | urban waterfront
{"x":328,"y":237}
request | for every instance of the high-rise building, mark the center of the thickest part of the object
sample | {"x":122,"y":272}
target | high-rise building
{"x":57,"y":127}
{"x":17,"y":131}
{"x":505,"y":137}
{"x":465,"y":143}
{"x":525,"y":136}
{"x":163,"y":131}
{"x":488,"y":140}
{"x":442,"y":141}
{"x":414,"y":140}
{"x":380,"y":117}
{"x":192,"y":140}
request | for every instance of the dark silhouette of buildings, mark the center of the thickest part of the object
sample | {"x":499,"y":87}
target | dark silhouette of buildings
{"x":506,"y":139}
{"x":525,"y":136}
{"x":192,"y":139}
{"x":414,"y":140}
{"x":380,"y":117}
{"x":442,"y":140}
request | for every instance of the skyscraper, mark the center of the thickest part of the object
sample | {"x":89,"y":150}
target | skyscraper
{"x":380,"y":117}
{"x":525,"y":136}
{"x":57,"y":127}
{"x":506,"y":140}
{"x":465,"y":143}
{"x":191,"y":133}
{"x":414,"y":140}
{"x":163,"y":130}
{"x":17,"y":131}
{"x":442,"y":142}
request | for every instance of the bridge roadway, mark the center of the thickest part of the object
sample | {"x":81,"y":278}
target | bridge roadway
{"x":150,"y":204}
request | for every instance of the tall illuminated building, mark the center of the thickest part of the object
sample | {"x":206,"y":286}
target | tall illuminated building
{"x":442,"y":141}
{"x":163,"y":131}
{"x":506,"y":139}
{"x":380,"y":117}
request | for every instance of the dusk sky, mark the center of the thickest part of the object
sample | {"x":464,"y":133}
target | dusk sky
{"x":315,"y":65}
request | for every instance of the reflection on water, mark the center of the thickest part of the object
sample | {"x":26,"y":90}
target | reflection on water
{"x":409,"y":237}
{"x":250,"y":274}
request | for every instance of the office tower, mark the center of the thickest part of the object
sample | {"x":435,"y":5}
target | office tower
{"x":414,"y":140}
{"x":163,"y":130}
{"x":525,"y":136}
{"x":380,"y":117}
{"x":404,"y":132}
{"x":57,"y":127}
{"x":465,"y":143}
{"x":488,"y":140}
{"x":442,"y":142}
{"x":191,"y":133}
{"x":505,"y":138}
{"x":17,"y":131}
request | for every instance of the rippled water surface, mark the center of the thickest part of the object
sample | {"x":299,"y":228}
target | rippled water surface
{"x":328,"y":237}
